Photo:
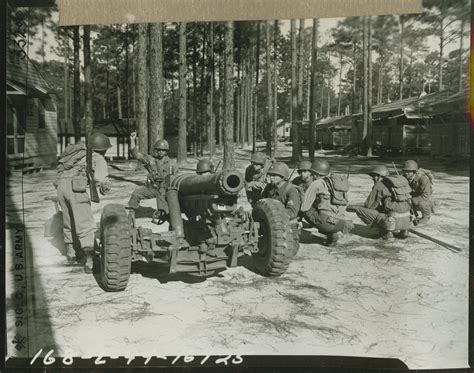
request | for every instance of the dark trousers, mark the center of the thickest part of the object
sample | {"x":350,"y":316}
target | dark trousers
{"x":326,"y":222}
{"x":374,"y":217}
{"x":148,"y":192}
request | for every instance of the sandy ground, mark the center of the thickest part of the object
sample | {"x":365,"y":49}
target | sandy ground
{"x":405,"y":299}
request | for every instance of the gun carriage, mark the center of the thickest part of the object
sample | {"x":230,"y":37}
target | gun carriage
{"x":213,"y":234}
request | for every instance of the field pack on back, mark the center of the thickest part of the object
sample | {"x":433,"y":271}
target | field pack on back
{"x":71,"y":156}
{"x":399,"y":187}
{"x":338,"y":185}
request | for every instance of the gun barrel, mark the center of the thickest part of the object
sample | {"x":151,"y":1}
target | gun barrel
{"x":223,"y":183}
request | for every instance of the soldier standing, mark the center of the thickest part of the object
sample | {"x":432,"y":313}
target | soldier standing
{"x":385,"y":207}
{"x":255,"y":176}
{"x":318,"y":208}
{"x":78,"y":220}
{"x":160,"y":168}
{"x":422,"y":190}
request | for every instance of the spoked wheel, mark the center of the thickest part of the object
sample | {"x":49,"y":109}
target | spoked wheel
{"x":115,"y":252}
{"x":275,"y":238}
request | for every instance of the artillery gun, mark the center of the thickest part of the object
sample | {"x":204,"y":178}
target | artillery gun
{"x":213,"y":234}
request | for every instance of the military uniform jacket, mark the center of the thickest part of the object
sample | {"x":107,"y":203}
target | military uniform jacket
{"x":317,"y":195}
{"x":380,"y":199}
{"x":421,"y":187}
{"x":287,"y":194}
{"x":160,"y":167}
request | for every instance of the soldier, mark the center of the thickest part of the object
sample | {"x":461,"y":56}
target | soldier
{"x":160,"y":168}
{"x":422,"y":190}
{"x":255,"y":175}
{"x":305,"y":176}
{"x":318,"y":207}
{"x":280,"y":189}
{"x":387,"y":206}
{"x":204,"y":167}
{"x":78,"y":220}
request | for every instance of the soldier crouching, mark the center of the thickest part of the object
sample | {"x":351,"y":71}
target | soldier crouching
{"x":387,"y":207}
{"x":318,"y":206}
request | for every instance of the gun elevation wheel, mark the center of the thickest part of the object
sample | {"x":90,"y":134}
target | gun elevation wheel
{"x":115,"y":253}
{"x":275,"y":236}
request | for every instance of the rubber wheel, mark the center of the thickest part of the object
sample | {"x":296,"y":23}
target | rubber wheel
{"x":276,"y":236}
{"x":116,"y":254}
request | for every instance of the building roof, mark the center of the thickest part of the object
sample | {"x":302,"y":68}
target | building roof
{"x":23,"y":77}
{"x":335,"y":123}
{"x":429,"y":105}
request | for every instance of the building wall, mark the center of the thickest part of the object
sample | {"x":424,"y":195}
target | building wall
{"x":41,"y":134}
{"x":450,"y":139}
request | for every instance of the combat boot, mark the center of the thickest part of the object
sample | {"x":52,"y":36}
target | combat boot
{"x":89,"y":260}
{"x":70,"y":254}
{"x":423,"y":221}
{"x":332,"y":239}
{"x":388,"y":235}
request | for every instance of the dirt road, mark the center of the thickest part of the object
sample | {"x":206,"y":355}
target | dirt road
{"x":399,"y":298}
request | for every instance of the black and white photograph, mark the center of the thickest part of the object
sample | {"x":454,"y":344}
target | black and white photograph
{"x":229,"y":189}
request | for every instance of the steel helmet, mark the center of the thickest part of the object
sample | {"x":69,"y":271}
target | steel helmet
{"x":380,"y":170}
{"x":161,"y":145}
{"x":98,"y":141}
{"x":320,"y":167}
{"x":410,"y":166}
{"x":280,"y":169}
{"x":258,"y":158}
{"x":304,"y":166}
{"x":204,"y":165}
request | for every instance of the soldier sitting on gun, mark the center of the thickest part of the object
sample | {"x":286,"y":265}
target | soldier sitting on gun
{"x":305,"y":177}
{"x":385,"y":207}
{"x":319,"y":208}
{"x":255,"y":175}
{"x":160,"y":168}
{"x":422,"y":190}
{"x":71,"y":188}
{"x":204,"y":167}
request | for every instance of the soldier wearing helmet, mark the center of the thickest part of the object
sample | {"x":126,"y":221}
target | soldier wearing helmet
{"x":71,"y":186}
{"x":281,"y":189}
{"x":422,"y":190}
{"x":204,"y":167}
{"x":255,"y":176}
{"x":382,"y":209}
{"x":317,"y":207}
{"x":305,"y":176}
{"x":160,"y":168}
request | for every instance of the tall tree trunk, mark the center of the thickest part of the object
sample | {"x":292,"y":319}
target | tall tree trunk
{"x":66,"y":88}
{"x":203,"y":103}
{"x":365,"y":101}
{"x":156,"y":109}
{"x":321,"y":97}
{"x":300,"y":109}
{"x":400,"y":72}
{"x":238,"y":113}
{"x":119,"y":102}
{"x":369,"y":90}
{"x":142,"y":76}
{"x":329,"y":99}
{"x":295,"y":155}
{"x":340,"y":87}
{"x":269,"y":90}
{"x":77,"y":87}
{"x":182,"y":130}
{"x":87,"y":80}
{"x":380,"y":82}
{"x":195,"y":96}
{"x":250,"y":135}
{"x":257,"y":71}
{"x":275,"y":94}
{"x":460,"y":57}
{"x":212,"y":129}
{"x":441,"y":55}
{"x":107,"y":89}
{"x":313,"y":87}
{"x":229,"y":163}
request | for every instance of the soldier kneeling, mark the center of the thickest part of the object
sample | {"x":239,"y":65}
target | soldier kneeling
{"x":321,"y":206}
{"x":388,"y":205}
